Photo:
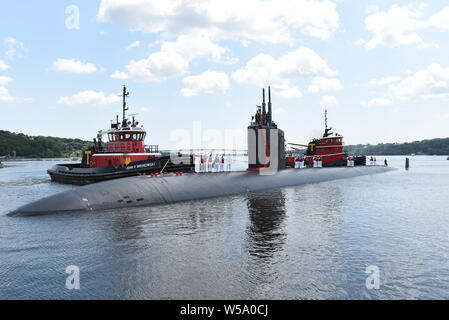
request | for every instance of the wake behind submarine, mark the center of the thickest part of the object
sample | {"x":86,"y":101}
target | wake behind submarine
{"x":267,"y":169}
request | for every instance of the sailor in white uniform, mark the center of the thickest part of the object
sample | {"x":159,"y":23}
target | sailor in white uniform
{"x":228,"y":163}
{"x":216,"y":164}
{"x":209,"y":163}
{"x":222,"y":161}
{"x":297,"y":162}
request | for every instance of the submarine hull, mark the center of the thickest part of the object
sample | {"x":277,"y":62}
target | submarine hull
{"x":147,"y":191}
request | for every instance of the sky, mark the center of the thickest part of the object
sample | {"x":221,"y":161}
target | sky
{"x":195,"y":69}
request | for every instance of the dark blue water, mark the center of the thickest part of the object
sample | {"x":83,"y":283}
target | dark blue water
{"x":313,"y":241}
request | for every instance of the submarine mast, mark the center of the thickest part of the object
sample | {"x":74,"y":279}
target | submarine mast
{"x":269,"y":117}
{"x":264,"y":111}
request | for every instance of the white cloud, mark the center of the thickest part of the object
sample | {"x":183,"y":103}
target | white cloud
{"x":172,"y":60}
{"x":314,"y":18}
{"x":329,"y":101}
{"x":260,"y":70}
{"x":395,"y":27}
{"x":15,"y":48}
{"x":320,"y":84}
{"x":384,"y":81}
{"x":440,"y":20}
{"x":3,"y":65}
{"x":377,"y":102}
{"x":90,"y":97}
{"x":119,"y":75}
{"x":207,"y":82}
{"x":4,"y":95}
{"x":73,"y":66}
{"x":264,"y":70}
{"x":429,"y":83}
{"x":5,"y":80}
{"x":157,"y":67}
{"x":272,"y":21}
{"x":400,"y":24}
{"x":135,"y":44}
{"x":286,"y":91}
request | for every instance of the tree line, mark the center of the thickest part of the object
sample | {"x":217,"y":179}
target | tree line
{"x":39,"y":146}
{"x":438,"y":146}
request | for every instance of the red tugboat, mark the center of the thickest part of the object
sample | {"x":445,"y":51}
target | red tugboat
{"x":125,"y":154}
{"x":328,"y":149}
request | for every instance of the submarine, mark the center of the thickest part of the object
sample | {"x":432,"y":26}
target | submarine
{"x":266,"y":170}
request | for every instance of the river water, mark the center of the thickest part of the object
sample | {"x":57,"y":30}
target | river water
{"x":309,"y":242}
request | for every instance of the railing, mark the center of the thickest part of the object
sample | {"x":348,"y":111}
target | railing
{"x":152,"y":148}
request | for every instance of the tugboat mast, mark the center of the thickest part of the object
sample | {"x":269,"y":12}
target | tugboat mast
{"x":327,"y":130}
{"x":125,"y":108}
{"x":325,"y":119}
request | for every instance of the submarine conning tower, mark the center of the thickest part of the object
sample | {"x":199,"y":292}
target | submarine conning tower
{"x":266,"y":142}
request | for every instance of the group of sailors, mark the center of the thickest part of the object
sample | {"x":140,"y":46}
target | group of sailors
{"x":217,"y":164}
{"x":316,"y":160}
{"x":299,"y":162}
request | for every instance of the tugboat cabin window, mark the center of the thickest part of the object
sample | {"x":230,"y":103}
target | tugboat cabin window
{"x":138,"y":136}
{"x":112,"y":136}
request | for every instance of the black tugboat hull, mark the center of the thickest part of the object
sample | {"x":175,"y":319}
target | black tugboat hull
{"x":78,"y":175}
